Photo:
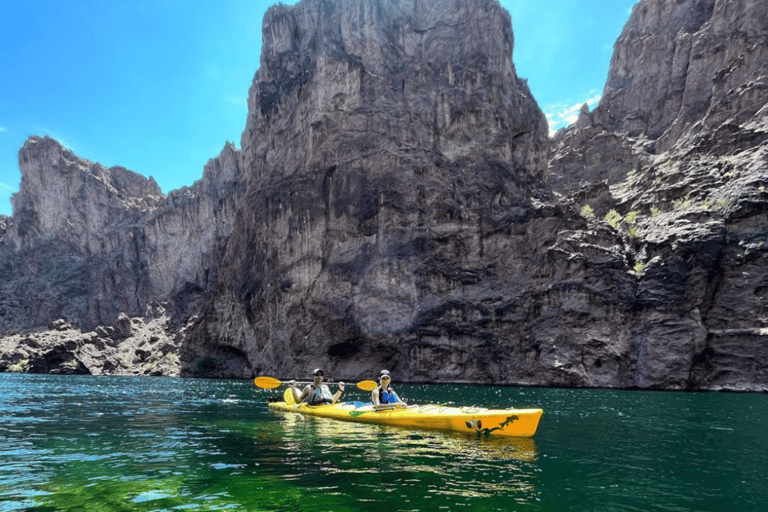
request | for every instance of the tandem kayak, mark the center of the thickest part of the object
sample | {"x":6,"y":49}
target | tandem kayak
{"x":495,"y":422}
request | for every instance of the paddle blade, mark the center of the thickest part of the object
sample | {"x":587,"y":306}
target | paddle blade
{"x":367,"y":385}
{"x":267,"y":382}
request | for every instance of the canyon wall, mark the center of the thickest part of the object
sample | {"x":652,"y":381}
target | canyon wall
{"x":677,"y":148}
{"x":397,"y":203}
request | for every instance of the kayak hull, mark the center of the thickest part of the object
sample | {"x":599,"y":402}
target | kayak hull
{"x":472,"y":420}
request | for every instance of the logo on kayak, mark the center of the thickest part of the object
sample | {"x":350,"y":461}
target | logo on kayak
{"x":477,"y":425}
{"x":355,"y":414}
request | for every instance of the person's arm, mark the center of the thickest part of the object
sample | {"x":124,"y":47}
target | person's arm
{"x":305,"y":394}
{"x":375,"y":397}
{"x":294,"y":391}
{"x":338,"y":393}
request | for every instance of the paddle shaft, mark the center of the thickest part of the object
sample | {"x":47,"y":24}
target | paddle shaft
{"x":266,"y":382}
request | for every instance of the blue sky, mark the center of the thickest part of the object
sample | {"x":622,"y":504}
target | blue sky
{"x":159,"y":86}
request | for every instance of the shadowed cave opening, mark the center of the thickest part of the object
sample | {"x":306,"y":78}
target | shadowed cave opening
{"x":344,"y":350}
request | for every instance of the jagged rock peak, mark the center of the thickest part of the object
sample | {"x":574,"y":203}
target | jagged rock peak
{"x":70,"y":198}
{"x":225,"y":168}
{"x":681,"y":69}
{"x":675,"y":62}
{"x":123,"y":182}
{"x":434,"y":76}
{"x":382,"y":137}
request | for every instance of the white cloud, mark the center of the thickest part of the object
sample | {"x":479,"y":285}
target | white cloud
{"x":560,"y":115}
{"x":3,"y":129}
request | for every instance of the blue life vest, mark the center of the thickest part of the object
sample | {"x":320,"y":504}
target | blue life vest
{"x":388,"y":396}
{"x":321,"y":395}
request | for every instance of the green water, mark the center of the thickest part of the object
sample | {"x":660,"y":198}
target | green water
{"x":147,"y":444}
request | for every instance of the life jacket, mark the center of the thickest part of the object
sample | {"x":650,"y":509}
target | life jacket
{"x":387,"y":396}
{"x":318,"y":396}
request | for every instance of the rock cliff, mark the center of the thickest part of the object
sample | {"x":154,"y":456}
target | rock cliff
{"x":674,"y":158}
{"x":397,"y":203}
{"x":87,"y":244}
{"x":386,"y":143}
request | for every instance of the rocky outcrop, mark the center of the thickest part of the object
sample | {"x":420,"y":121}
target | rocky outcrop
{"x":680,"y":70}
{"x":87,"y":243}
{"x":397,"y":203}
{"x":387,"y":144}
{"x":132,"y":346}
{"x":679,"y":141}
{"x":78,"y":202}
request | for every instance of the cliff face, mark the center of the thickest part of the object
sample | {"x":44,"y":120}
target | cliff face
{"x":393,"y":206}
{"x":680,"y":70}
{"x":679,"y":143}
{"x":389,"y":147}
{"x":86,"y":243}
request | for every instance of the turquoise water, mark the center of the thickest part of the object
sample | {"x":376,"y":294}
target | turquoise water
{"x":151,"y":444}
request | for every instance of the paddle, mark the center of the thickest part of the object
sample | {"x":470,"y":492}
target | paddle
{"x":265,"y":382}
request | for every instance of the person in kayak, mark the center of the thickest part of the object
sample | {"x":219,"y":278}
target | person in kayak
{"x":317,"y":393}
{"x":383,"y":396}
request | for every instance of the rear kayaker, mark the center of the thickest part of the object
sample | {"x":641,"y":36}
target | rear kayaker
{"x":496,"y":422}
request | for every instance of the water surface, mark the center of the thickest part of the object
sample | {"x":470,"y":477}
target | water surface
{"x":152,"y":444}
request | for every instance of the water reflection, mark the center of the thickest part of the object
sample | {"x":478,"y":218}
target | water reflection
{"x":454,"y":464}
{"x":88,"y":443}
{"x":342,"y":433}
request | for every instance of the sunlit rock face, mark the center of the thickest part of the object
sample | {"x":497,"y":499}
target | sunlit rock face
{"x":680,"y":70}
{"x":389,"y":153}
{"x":679,"y":142}
{"x":74,"y":200}
{"x":396,"y":203}
{"x":88,"y":242}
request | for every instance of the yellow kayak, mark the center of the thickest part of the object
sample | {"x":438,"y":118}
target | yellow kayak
{"x":498,"y":422}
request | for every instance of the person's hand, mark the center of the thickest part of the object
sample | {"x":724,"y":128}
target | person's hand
{"x":341,"y":386}
{"x":292,"y":383}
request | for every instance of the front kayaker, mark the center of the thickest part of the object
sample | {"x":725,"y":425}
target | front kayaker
{"x":383,"y":396}
{"x":317,"y":393}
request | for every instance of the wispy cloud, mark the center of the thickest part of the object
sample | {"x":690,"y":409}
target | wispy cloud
{"x":560,"y":115}
{"x":3,"y":129}
{"x":7,"y":187}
